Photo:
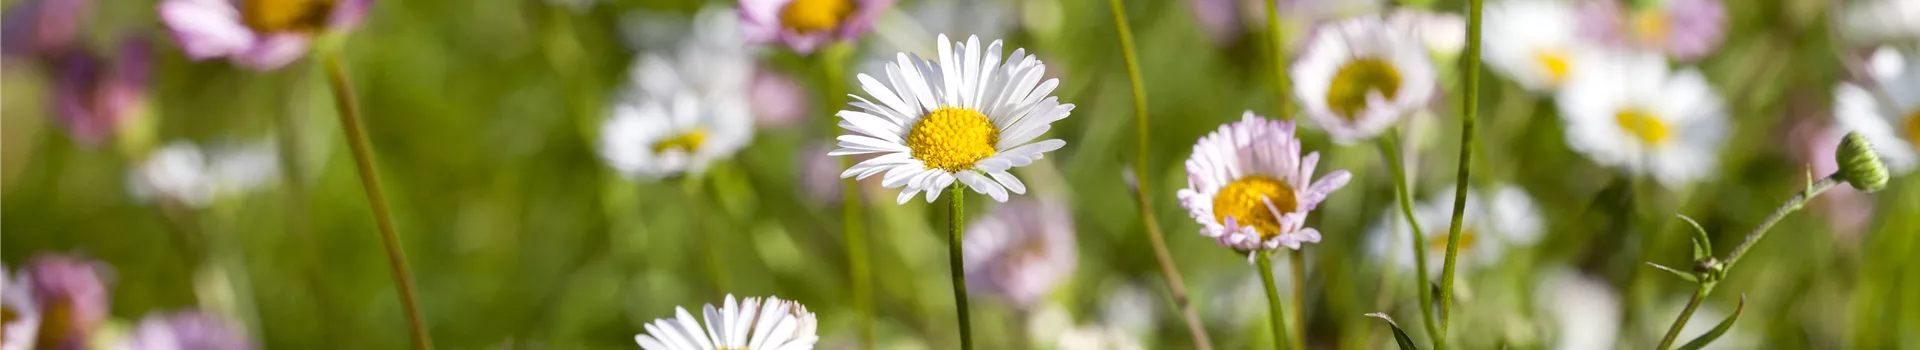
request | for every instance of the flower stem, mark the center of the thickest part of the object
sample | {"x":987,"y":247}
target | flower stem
{"x":1390,"y":149}
{"x":1279,"y":50}
{"x":1142,"y":193}
{"x":956,"y":229}
{"x":1276,"y":314}
{"x":349,"y":110}
{"x":1673,"y":332}
{"x":1469,"y":69}
{"x":833,"y":64}
{"x":1298,"y":259}
{"x":1706,"y":286}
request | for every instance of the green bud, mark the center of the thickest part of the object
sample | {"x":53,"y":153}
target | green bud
{"x":1859,"y":165}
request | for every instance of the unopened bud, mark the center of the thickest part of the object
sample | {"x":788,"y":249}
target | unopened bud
{"x":1859,"y":164}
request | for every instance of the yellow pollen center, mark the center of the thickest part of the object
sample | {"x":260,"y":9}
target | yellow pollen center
{"x":1241,"y":200}
{"x":1439,"y":243}
{"x":686,"y":142}
{"x":807,"y":16}
{"x":1913,"y":127}
{"x":7,"y":316}
{"x":1650,"y":27}
{"x":286,"y":15}
{"x":1347,"y":95}
{"x":952,"y":138}
{"x":1646,"y":126}
{"x":1556,"y":64}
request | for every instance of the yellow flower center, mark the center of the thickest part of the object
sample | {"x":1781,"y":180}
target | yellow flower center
{"x":1643,"y":125}
{"x":1347,"y":96}
{"x":1242,"y":201}
{"x":7,"y":316}
{"x":685,"y":142}
{"x":1439,"y":242}
{"x":1556,"y":63}
{"x":56,"y":320}
{"x":807,"y":16}
{"x":286,"y":15}
{"x":952,"y":138}
{"x":1650,"y":26}
{"x":1913,"y":127}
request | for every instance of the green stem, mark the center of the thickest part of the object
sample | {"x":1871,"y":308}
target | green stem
{"x":1390,"y":149}
{"x":956,"y":229}
{"x":1673,"y":332}
{"x":1278,"y":45}
{"x":1276,"y":314}
{"x":1706,"y":286}
{"x":1298,"y":258}
{"x":694,"y":185}
{"x":1469,"y":69}
{"x":1143,"y":195}
{"x":343,"y":100}
{"x":833,"y":65}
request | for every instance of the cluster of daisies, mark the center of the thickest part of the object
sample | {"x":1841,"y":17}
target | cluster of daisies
{"x":61,"y":302}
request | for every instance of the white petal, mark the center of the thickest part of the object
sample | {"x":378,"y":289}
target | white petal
{"x":1012,"y":183}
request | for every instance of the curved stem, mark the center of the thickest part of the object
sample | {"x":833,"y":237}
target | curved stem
{"x":1470,"y":69}
{"x":1278,"y":45}
{"x":1298,"y":259}
{"x":1143,"y":195}
{"x":1276,"y":314}
{"x":956,"y":221}
{"x":1390,"y":149}
{"x":833,"y":65}
{"x":1792,"y":204}
{"x":376,"y":200}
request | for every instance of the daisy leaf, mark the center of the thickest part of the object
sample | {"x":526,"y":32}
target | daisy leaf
{"x":1702,"y":245}
{"x":1683,"y":275}
{"x":1400,"y":336}
{"x":1704,"y":339}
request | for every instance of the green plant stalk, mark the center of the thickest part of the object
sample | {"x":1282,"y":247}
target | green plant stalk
{"x":833,"y":65}
{"x":1276,"y":314}
{"x":956,"y":230}
{"x":349,"y":110}
{"x":1706,"y":285}
{"x":694,"y":186}
{"x":1390,"y":149}
{"x":1470,"y":70}
{"x":1298,"y":259}
{"x":1279,"y":49}
{"x":1143,"y":194}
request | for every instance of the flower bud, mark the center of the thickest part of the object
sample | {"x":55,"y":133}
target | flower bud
{"x":1859,"y":165}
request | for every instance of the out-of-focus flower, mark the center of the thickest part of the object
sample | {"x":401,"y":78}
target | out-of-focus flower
{"x":819,"y":174}
{"x":806,"y":25}
{"x":1130,"y":308}
{"x":1533,"y":42}
{"x":1225,"y":21}
{"x":1879,"y":20}
{"x":1097,"y":338}
{"x":1585,"y":311}
{"x":94,"y":97}
{"x":1685,"y":30}
{"x":1443,"y":33}
{"x":71,"y":295}
{"x":1250,"y":189}
{"x":1624,"y":109}
{"x":258,"y":34}
{"x":778,"y":101}
{"x":1021,"y":252}
{"x":181,"y":172}
{"x":187,"y":330}
{"x":1360,"y":76}
{"x":42,"y":28}
{"x":1891,"y":121}
{"x":686,"y":111}
{"x":749,"y":324}
{"x":1491,"y":224}
{"x":979,"y":124}
{"x":19,"y":315}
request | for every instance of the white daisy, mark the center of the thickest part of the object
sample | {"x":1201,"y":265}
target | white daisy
{"x":1585,"y":310}
{"x":1359,"y":76}
{"x":181,"y":172}
{"x":21,"y":323}
{"x":1250,"y":189}
{"x":1880,"y":20}
{"x":1021,"y":252}
{"x":684,"y":111}
{"x":1890,"y":121}
{"x":1533,"y":42}
{"x":968,"y":116}
{"x":751,"y":324}
{"x":1491,"y":224}
{"x":1626,"y":110}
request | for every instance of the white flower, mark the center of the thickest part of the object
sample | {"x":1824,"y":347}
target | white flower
{"x":1880,"y":20}
{"x":1491,"y":224}
{"x":1532,"y":42}
{"x":751,"y":324}
{"x":685,"y":111}
{"x":1021,"y":252}
{"x":22,"y":322}
{"x":1359,"y":76}
{"x":1625,"y":110}
{"x":968,"y":116}
{"x":1250,"y":189}
{"x":1585,"y":310}
{"x":1891,"y":123}
{"x":181,"y":172}
{"x":1097,"y":338}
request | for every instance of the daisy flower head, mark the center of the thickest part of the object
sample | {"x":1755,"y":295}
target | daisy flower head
{"x":1250,"y":189}
{"x":970,"y":116}
{"x":184,"y":173}
{"x":1021,"y":252}
{"x":71,"y":295}
{"x":22,"y":322}
{"x":1890,"y":121}
{"x":1533,"y":42}
{"x":187,"y":330}
{"x":752,"y":324}
{"x":683,"y":110}
{"x":806,"y":25}
{"x":1686,"y":30}
{"x":1493,"y":221}
{"x":1584,"y":310}
{"x":1626,"y":110}
{"x":258,"y":34}
{"x":1359,"y":76}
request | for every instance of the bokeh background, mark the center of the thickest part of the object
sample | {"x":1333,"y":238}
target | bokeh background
{"x":484,"y":117}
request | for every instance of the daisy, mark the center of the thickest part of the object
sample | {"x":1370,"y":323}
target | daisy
{"x":187,"y":330}
{"x":1626,"y":110}
{"x":182,"y":173}
{"x":1358,"y":77}
{"x":1879,"y":20}
{"x":968,"y":116}
{"x":1250,"y":189}
{"x":94,"y":96}
{"x":1891,"y":121}
{"x":258,"y":34}
{"x":22,"y":322}
{"x":1491,"y":224}
{"x":1532,"y":42}
{"x":71,"y":295}
{"x":1585,"y":310}
{"x":1021,"y":252}
{"x":806,"y":25}
{"x":1683,"y":29}
{"x":749,"y":324}
{"x":683,"y":112}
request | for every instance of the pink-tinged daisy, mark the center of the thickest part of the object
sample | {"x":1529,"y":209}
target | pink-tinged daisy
{"x":748,"y":325}
{"x":806,"y":25}
{"x":21,"y":323}
{"x":258,"y":34}
{"x":187,"y":330}
{"x":71,"y":294}
{"x":42,"y":28}
{"x":1684,"y":30}
{"x":93,"y":96}
{"x":1250,"y":189}
{"x":1021,"y":252}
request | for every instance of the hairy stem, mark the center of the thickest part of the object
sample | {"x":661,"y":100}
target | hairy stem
{"x":1276,"y":314}
{"x":343,"y":100}
{"x":956,"y":229}
{"x":1470,"y":69}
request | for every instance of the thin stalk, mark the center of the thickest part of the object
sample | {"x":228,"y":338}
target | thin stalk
{"x":1275,"y":312}
{"x":1687,"y":313}
{"x":833,"y":65}
{"x":1469,"y":69}
{"x":1390,"y":149}
{"x":1143,"y":195}
{"x":343,"y":100}
{"x":956,"y":229}
{"x":1279,"y":50}
{"x":1706,"y":286}
{"x":1298,"y":259}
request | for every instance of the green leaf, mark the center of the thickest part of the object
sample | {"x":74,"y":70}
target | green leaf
{"x":1702,"y":341}
{"x":1683,"y":274}
{"x":1400,"y":336}
{"x":1702,"y":245}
